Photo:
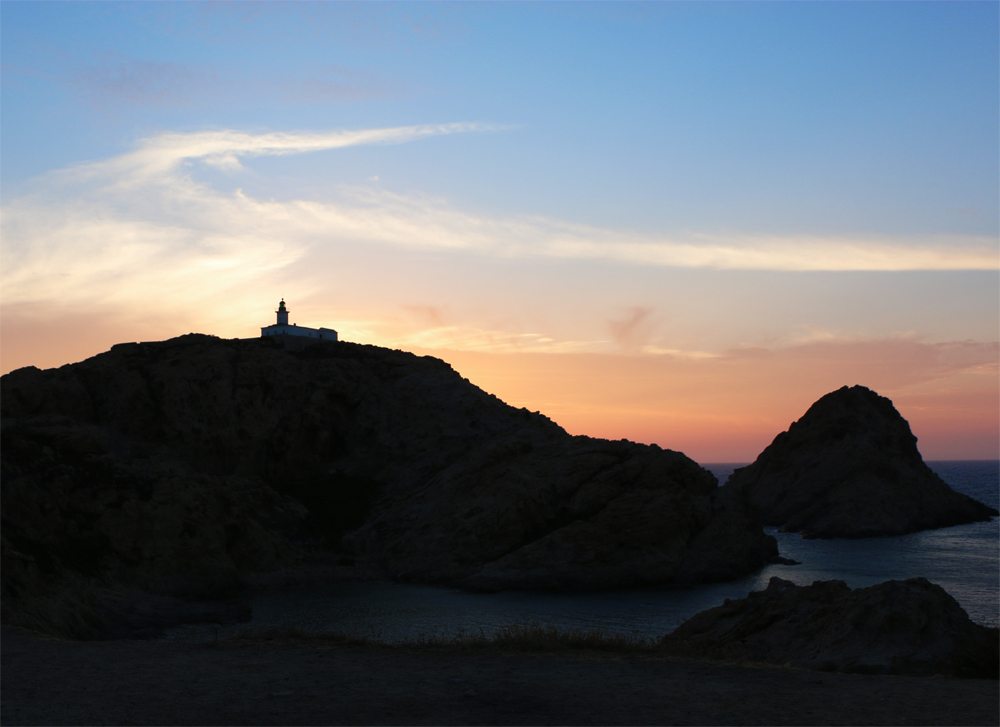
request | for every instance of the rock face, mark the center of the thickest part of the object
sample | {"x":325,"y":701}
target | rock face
{"x":849,"y":468}
{"x":86,"y":514}
{"x":896,"y":627}
{"x":178,"y":467}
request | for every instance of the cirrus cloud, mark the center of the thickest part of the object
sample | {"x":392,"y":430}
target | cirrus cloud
{"x":144,"y":223}
{"x":116,"y":82}
{"x":157,"y":159}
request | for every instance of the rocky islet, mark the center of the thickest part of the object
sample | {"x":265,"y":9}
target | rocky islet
{"x":850,"y":468}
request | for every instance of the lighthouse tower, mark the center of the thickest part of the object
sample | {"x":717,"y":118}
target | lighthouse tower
{"x":282,"y":313}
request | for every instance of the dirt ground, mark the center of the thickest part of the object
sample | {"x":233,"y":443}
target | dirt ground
{"x":52,"y":682}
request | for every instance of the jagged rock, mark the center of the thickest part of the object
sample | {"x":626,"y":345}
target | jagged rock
{"x":849,"y":468}
{"x":896,"y":627}
{"x":168,"y":467}
{"x":778,"y":560}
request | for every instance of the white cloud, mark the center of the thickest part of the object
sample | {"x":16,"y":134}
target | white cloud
{"x":138,"y":225}
{"x":792,"y":253}
{"x":418,"y":222}
{"x":158,"y":156}
{"x":471,"y":338}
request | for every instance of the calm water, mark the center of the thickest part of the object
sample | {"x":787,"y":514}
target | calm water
{"x":962,"y":559}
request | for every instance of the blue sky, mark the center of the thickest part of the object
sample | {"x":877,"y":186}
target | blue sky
{"x":672,"y":180}
{"x":789,"y":117}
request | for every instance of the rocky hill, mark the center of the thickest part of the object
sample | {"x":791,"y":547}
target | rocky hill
{"x":896,"y":627}
{"x":850,"y":468}
{"x":179,"y":467}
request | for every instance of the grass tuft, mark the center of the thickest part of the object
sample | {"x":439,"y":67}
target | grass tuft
{"x":518,"y":636}
{"x":521,"y":636}
{"x":256,"y":634}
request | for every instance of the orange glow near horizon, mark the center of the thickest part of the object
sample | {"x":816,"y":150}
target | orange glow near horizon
{"x":729,"y":409}
{"x":716,"y":409}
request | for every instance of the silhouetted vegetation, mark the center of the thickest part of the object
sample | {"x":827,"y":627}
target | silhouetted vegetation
{"x":532,"y":637}
{"x":522,"y":637}
{"x":536,"y":637}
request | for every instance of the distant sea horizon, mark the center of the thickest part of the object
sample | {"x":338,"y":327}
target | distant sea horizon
{"x":942,"y":467}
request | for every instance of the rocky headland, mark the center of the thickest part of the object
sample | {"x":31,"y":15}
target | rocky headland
{"x":850,"y":468}
{"x":179,"y":469}
{"x":897,"y":627}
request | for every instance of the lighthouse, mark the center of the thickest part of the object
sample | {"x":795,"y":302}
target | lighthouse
{"x":300,"y":334}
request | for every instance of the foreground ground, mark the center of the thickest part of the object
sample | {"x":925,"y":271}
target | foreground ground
{"x":52,"y":682}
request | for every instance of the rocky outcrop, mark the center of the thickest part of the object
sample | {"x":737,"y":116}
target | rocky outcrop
{"x":178,"y":467}
{"x":896,"y":627}
{"x":83,"y":518}
{"x":849,"y":468}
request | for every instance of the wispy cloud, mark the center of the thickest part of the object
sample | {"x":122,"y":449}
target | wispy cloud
{"x":425,"y":223}
{"x":156,"y":158}
{"x":115,"y":82}
{"x":431,"y":315}
{"x":632,"y":331}
{"x":159,"y":192}
{"x":790,"y":253}
{"x":473,"y":338}
{"x":145,"y":223}
{"x":146,"y":83}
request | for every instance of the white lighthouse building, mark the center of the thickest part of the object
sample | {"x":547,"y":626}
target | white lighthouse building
{"x":282,"y":328}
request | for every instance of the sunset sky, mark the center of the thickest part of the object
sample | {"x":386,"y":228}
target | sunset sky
{"x":678,"y":223}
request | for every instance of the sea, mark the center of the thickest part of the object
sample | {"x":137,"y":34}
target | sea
{"x":964,"y":560}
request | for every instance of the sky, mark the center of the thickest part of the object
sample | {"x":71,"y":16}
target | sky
{"x":678,"y":223}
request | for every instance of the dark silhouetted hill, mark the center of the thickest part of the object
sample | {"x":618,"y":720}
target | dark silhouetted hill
{"x":176,"y":468}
